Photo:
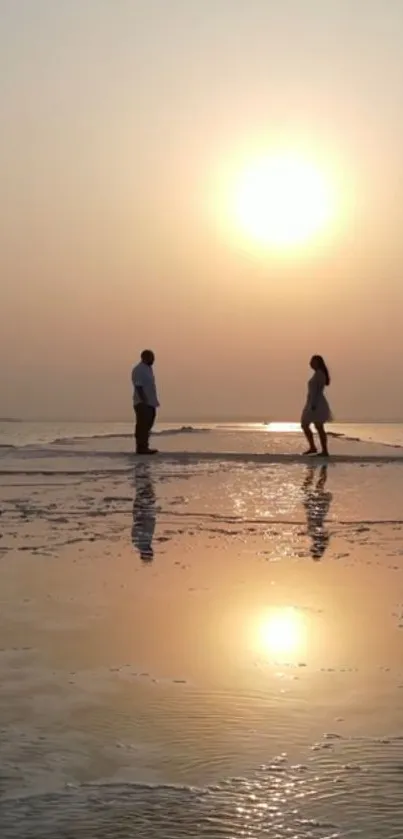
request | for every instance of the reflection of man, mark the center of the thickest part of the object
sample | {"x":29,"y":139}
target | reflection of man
{"x":145,"y":401}
{"x":144,"y":512}
{"x":317,"y":504}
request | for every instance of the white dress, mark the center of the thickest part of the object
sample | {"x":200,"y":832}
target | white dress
{"x":317,"y":408}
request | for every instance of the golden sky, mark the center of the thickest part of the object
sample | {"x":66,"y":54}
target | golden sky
{"x":127,"y":128}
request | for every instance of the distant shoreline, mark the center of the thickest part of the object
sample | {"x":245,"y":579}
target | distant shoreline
{"x":187,"y":421}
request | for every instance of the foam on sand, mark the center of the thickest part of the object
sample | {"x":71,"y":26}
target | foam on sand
{"x":268,"y":458}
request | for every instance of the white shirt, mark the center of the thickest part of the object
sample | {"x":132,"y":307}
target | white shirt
{"x":143,"y":376}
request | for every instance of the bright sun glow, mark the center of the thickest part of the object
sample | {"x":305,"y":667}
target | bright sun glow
{"x":282,"y":632}
{"x":282,"y":201}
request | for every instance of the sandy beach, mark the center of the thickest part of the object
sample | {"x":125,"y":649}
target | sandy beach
{"x":201,"y":647}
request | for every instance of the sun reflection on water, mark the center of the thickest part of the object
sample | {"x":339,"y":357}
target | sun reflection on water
{"x":282,"y":632}
{"x":283,"y":427}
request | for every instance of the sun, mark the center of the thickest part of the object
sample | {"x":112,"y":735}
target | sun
{"x":282,"y":201}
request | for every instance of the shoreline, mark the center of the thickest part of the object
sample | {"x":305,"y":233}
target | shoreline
{"x":193,"y":458}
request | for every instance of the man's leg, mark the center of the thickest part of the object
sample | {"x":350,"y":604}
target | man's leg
{"x":141,"y":432}
{"x":151,"y":413}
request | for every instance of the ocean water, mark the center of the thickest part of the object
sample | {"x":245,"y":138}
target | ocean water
{"x":36,"y":434}
{"x":200,"y":648}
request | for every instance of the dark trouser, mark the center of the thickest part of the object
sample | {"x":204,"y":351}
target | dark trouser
{"x":145,"y":418}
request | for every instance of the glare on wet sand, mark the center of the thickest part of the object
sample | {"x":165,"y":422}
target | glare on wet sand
{"x":202,"y":650}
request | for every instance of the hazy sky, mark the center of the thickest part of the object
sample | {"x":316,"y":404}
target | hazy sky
{"x":120,"y":120}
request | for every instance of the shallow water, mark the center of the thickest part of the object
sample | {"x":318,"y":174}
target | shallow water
{"x":322,"y":800}
{"x":202,"y":650}
{"x":42,"y":433}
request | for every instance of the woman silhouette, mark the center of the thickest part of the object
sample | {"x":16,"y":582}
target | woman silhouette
{"x":317,"y":411}
{"x":317,"y":505}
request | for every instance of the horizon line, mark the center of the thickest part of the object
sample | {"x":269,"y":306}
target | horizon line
{"x":193,"y":419}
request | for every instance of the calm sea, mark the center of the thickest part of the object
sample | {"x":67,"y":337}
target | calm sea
{"x":45,"y":433}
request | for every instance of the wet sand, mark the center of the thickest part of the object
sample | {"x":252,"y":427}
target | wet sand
{"x":202,"y":650}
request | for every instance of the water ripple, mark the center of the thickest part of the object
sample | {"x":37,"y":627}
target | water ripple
{"x":305,"y":802}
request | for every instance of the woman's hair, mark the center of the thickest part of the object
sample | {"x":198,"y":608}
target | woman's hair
{"x":321,"y":365}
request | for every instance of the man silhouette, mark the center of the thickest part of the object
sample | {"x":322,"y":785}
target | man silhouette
{"x":144,"y":512}
{"x":145,"y":401}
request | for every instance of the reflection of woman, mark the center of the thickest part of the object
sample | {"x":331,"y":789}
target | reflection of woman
{"x":317,"y":411}
{"x":144,"y":513}
{"x":317,"y":504}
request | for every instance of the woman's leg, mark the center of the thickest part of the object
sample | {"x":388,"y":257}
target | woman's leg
{"x":309,"y":436}
{"x":322,"y":437}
